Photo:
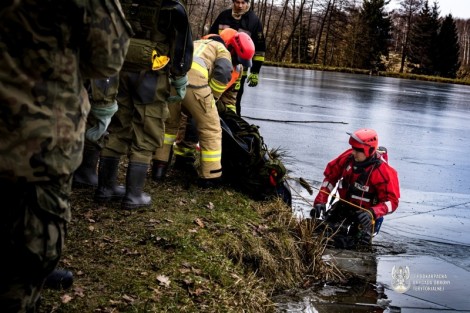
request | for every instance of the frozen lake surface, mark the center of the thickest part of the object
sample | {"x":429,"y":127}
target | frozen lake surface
{"x":426,"y":129}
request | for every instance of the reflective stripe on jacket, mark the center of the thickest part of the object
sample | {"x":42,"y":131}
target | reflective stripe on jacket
{"x":212,"y":65}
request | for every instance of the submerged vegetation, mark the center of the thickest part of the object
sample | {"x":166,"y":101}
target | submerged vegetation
{"x":193,"y":250}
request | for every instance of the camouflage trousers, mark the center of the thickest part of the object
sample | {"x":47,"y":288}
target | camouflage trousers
{"x":198,"y":104}
{"x":32,"y":231}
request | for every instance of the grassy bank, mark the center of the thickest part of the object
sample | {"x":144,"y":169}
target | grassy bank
{"x":318,"y":67}
{"x":193,"y":250}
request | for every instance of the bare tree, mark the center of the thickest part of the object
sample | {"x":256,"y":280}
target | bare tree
{"x":294,"y":26}
{"x":323,"y":20}
{"x":275,"y":39}
{"x":463,"y":27}
{"x":408,"y":12}
{"x":309,"y":24}
{"x":324,"y":30}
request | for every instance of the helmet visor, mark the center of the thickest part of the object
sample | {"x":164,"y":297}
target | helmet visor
{"x":359,"y":140}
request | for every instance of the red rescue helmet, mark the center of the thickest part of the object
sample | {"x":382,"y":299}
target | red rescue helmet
{"x":365,"y":139}
{"x":243,"y":47}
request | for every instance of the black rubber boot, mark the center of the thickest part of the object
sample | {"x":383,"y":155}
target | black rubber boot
{"x":86,"y":176}
{"x":159,"y":169}
{"x":135,"y":180}
{"x":209,"y":183}
{"x":108,"y":190}
{"x":59,"y":279}
{"x":185,"y":164}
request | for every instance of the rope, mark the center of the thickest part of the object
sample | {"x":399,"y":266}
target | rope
{"x":287,"y":121}
{"x":302,"y":182}
{"x":431,"y":211}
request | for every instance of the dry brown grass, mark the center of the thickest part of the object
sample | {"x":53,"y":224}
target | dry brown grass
{"x":194,"y":250}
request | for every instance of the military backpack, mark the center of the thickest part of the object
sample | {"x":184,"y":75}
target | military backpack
{"x":143,"y":16}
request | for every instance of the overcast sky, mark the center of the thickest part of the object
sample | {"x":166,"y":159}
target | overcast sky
{"x":458,"y":8}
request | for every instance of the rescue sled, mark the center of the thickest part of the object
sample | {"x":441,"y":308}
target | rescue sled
{"x":247,"y":162}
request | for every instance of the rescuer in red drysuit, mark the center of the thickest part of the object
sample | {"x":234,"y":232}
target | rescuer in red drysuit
{"x":367,"y":186}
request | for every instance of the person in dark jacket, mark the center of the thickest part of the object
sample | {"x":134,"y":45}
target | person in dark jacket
{"x":242,"y":19}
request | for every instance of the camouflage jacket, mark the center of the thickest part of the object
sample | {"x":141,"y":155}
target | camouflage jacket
{"x":47,"y":49}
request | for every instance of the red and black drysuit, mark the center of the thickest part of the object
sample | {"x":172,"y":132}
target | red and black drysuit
{"x":372,"y":185}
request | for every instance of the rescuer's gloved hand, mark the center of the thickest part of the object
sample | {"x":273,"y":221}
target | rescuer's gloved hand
{"x":253,"y":79}
{"x":365,"y":218}
{"x":318,"y":210}
{"x":237,"y":86}
{"x":179,"y":83}
{"x":103,"y":115}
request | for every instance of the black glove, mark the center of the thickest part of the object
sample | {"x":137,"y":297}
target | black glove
{"x":317,"y":210}
{"x":365,"y":218}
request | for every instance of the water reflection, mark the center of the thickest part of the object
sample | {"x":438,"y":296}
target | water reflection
{"x":434,"y":285}
{"x":419,"y":122}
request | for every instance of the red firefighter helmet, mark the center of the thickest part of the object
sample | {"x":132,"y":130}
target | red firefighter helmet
{"x":365,"y":139}
{"x":243,"y":47}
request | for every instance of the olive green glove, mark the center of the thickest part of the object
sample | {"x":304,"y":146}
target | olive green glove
{"x":253,"y":79}
{"x":179,"y":83}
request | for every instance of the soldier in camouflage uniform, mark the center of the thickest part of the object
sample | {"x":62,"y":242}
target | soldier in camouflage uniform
{"x":47,"y":49}
{"x":159,"y":54}
{"x":102,"y":94}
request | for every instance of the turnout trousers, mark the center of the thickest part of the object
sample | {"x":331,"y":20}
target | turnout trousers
{"x":200,"y":105}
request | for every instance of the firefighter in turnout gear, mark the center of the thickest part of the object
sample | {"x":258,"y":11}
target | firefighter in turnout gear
{"x":242,"y":19}
{"x":159,"y":56}
{"x":367,"y":186}
{"x":214,"y":60}
{"x":239,"y":17}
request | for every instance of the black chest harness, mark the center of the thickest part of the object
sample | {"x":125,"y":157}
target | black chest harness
{"x":357,"y":183}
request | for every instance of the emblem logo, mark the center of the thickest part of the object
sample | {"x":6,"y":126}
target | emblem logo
{"x":401,"y":279}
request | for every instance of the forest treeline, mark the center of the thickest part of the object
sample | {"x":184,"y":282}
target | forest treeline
{"x":363,"y":34}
